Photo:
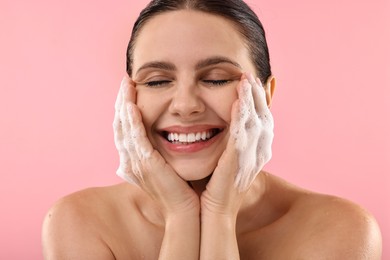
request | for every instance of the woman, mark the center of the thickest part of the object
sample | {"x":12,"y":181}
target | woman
{"x":193,"y":130}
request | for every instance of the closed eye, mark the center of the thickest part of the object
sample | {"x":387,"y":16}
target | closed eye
{"x":217,"y":82}
{"x":157,"y":83}
{"x":160,"y":83}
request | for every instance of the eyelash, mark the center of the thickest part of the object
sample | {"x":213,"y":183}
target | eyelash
{"x":159,"y":83}
{"x":220,"y":82}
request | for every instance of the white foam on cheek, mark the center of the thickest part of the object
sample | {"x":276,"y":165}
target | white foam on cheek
{"x":253,"y":140}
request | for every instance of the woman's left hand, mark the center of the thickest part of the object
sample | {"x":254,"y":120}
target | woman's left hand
{"x":247,"y":151}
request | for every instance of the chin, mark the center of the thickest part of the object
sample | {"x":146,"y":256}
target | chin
{"x":194,"y":172}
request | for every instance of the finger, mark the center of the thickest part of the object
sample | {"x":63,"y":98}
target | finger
{"x":124,"y":170}
{"x":260,"y":98}
{"x":226,"y":169}
{"x":240,"y":108}
{"x":129,"y":91}
{"x":118,"y":133}
{"x":124,"y":159}
{"x":131,"y":170}
{"x":118,"y":118}
{"x":119,"y":100}
{"x":245,"y":95}
{"x":124,"y":119}
{"x":240,"y":115}
{"x":227,"y":164}
{"x":134,"y":131}
{"x":117,"y":126}
{"x":126,"y":94}
{"x":258,"y":94}
{"x":141,"y":142}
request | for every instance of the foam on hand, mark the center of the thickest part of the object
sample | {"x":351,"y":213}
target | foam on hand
{"x":129,"y":136}
{"x":252,"y":130}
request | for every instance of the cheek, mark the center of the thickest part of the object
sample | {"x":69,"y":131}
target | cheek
{"x":222,"y":101}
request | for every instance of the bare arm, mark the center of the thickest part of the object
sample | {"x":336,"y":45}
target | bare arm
{"x":181,"y":237}
{"x":218,"y":239}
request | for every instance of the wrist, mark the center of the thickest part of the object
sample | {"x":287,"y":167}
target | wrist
{"x":180,"y":225}
{"x":185,"y":218}
{"x":187,"y":208}
{"x":219,"y":212}
{"x":223,"y":220}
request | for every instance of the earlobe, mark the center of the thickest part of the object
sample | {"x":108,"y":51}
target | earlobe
{"x":269,"y":89}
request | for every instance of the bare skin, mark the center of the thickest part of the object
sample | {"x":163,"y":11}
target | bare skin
{"x":286,"y":222}
{"x":198,"y":85}
{"x":271,"y":219}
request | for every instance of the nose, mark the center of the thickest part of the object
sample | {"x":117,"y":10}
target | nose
{"x":186,"y":101}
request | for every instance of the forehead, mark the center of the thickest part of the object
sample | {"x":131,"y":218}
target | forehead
{"x":186,"y":35}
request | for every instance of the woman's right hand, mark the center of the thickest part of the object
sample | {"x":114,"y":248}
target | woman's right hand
{"x":143,"y":165}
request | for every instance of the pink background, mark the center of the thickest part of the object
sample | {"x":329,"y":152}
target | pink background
{"x":62,"y":62}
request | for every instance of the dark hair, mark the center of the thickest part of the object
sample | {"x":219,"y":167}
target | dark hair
{"x":236,"y":11}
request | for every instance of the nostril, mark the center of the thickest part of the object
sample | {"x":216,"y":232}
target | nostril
{"x":186,"y":105}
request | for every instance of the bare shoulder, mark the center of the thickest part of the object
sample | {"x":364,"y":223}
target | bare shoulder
{"x":328,"y":227}
{"x":339,"y":228}
{"x":73,"y":228}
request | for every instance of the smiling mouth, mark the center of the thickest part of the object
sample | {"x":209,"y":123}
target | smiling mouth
{"x":191,"y":138}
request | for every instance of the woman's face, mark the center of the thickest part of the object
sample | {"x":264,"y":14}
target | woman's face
{"x":186,"y":66}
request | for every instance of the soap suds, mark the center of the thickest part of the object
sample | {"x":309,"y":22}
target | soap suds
{"x":130,"y":137}
{"x":252,"y":131}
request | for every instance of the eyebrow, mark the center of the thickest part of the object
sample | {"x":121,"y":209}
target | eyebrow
{"x":214,"y":61}
{"x":157,"y":65}
{"x":200,"y":65}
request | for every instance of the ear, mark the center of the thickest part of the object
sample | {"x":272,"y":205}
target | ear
{"x":269,"y":88}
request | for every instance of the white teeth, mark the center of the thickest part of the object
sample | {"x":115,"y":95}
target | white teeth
{"x":190,"y":137}
{"x":182,"y":138}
